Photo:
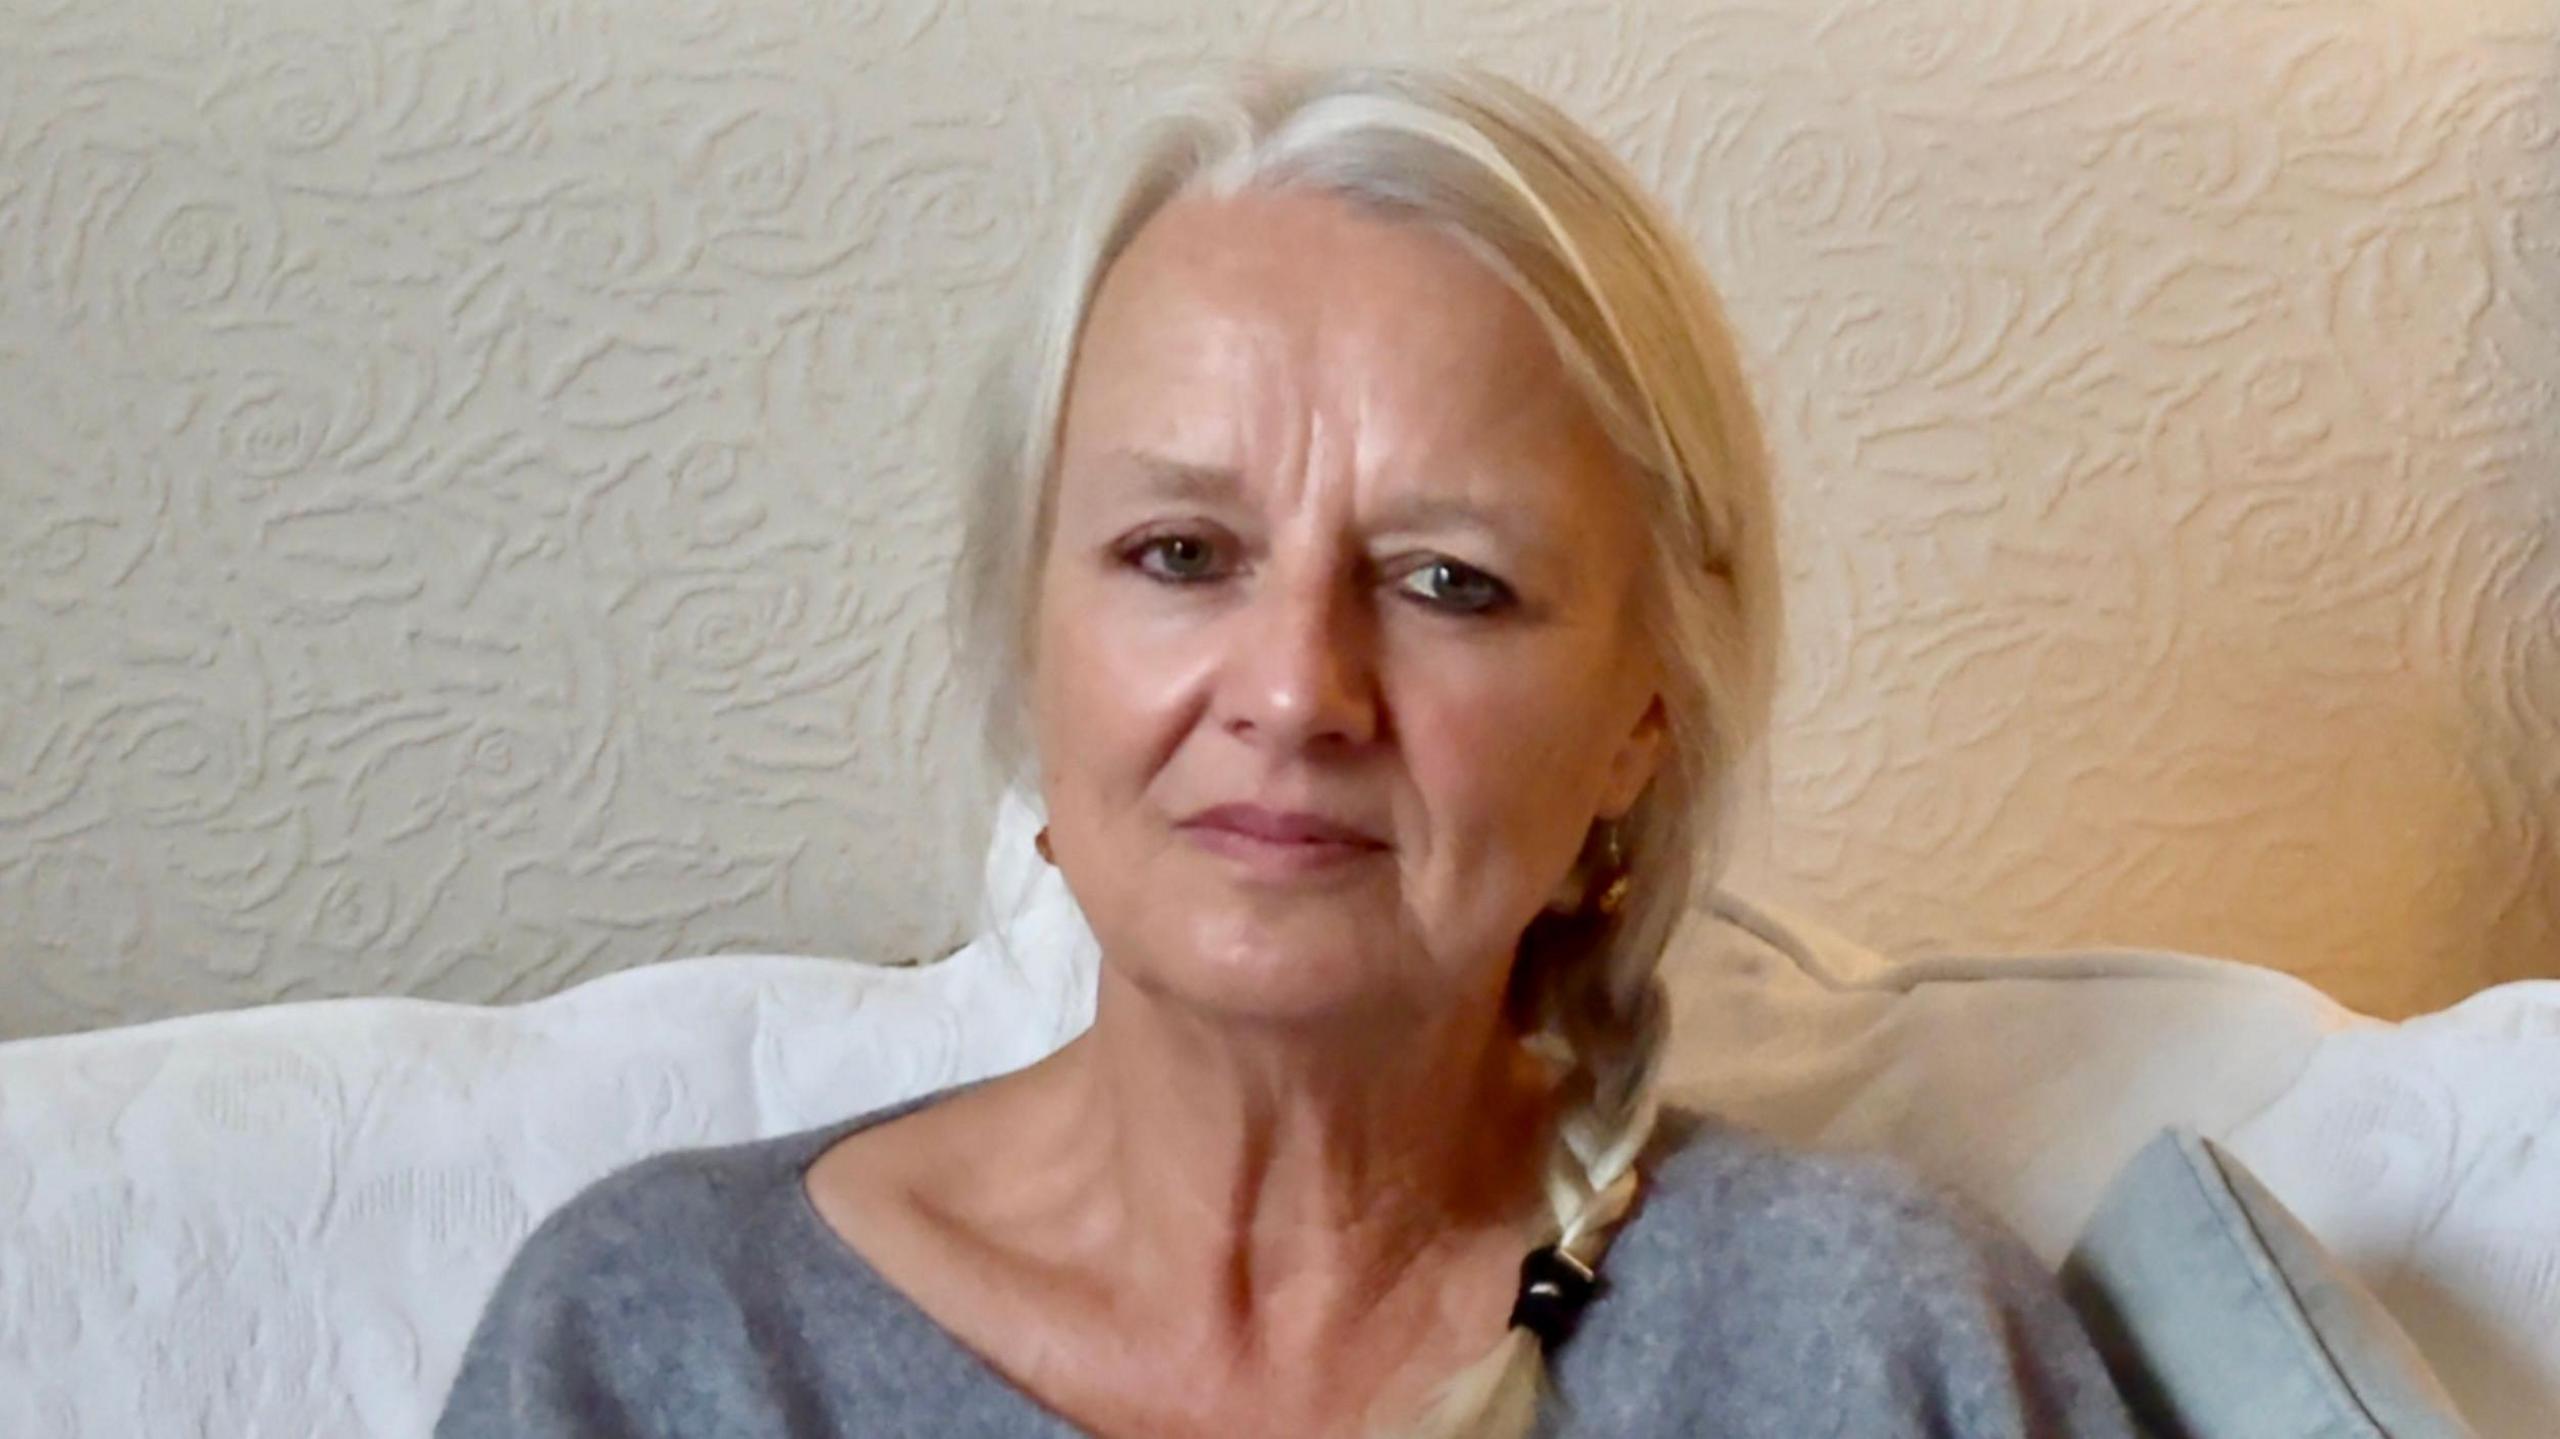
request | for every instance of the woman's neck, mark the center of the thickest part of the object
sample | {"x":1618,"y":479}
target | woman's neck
{"x":1282,"y":1187}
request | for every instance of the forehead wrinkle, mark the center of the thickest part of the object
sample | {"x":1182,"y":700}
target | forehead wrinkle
{"x":1256,"y":352}
{"x":1184,"y":375}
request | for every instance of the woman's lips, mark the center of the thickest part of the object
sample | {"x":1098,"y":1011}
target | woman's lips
{"x":1280,"y":843}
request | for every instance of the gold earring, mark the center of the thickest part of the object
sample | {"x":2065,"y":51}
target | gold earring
{"x":1613,"y":891}
{"x":1040,"y":842}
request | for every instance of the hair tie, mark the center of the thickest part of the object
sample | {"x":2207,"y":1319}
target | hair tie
{"x":1554,"y":1287}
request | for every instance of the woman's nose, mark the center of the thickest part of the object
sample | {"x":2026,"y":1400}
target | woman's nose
{"x":1303,"y":672}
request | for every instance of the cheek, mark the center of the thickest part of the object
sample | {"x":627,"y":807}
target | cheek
{"x":1507,"y":758}
{"x":1112,"y":692}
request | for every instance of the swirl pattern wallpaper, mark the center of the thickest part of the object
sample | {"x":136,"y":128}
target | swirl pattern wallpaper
{"x":475,"y":506}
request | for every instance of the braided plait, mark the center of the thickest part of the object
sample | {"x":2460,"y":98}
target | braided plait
{"x":1585,"y":996}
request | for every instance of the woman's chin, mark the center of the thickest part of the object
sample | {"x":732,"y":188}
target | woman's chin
{"x":1277,"y":973}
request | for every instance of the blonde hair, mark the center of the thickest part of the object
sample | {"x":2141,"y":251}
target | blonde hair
{"x":1640,"y":330}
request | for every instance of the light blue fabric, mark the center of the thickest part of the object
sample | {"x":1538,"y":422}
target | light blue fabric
{"x":2222,"y":1317}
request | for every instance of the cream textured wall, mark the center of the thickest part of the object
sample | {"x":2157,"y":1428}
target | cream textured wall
{"x":471,"y":522}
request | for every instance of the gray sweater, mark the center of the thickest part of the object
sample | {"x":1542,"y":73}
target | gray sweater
{"x":1756,"y":1291}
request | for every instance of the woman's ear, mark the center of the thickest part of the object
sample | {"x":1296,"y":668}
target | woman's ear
{"x":1632,"y":765}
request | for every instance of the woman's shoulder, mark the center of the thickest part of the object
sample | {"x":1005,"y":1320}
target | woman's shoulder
{"x":698,"y":1201}
{"x":642,"y":1285}
{"x":678,"y":1203}
{"x":656,"y":1244}
{"x":1764,"y":1255}
{"x":1718,"y":1181}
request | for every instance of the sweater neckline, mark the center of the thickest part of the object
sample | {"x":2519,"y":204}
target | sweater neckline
{"x":981,"y":1376}
{"x":966,"y":1363}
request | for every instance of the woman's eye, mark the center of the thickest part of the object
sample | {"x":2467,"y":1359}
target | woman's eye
{"x":1460,"y":589}
{"x":1176,"y":557}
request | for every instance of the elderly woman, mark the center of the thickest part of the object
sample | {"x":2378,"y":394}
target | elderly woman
{"x":1371,"y":564}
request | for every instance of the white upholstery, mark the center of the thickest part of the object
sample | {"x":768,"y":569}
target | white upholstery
{"x":282,"y":1221}
{"x":2425,"y":1154}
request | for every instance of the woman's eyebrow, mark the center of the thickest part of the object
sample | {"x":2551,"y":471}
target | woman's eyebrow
{"x":1515,"y":530}
{"x":1163,"y":477}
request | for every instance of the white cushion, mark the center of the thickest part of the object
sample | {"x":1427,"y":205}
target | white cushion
{"x":284,"y":1220}
{"x":2420,"y":1153}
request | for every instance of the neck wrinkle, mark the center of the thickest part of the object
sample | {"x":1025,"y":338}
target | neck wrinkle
{"x":1297,"y":1182}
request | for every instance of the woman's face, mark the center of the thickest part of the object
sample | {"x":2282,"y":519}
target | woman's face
{"x":1336,"y":655}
